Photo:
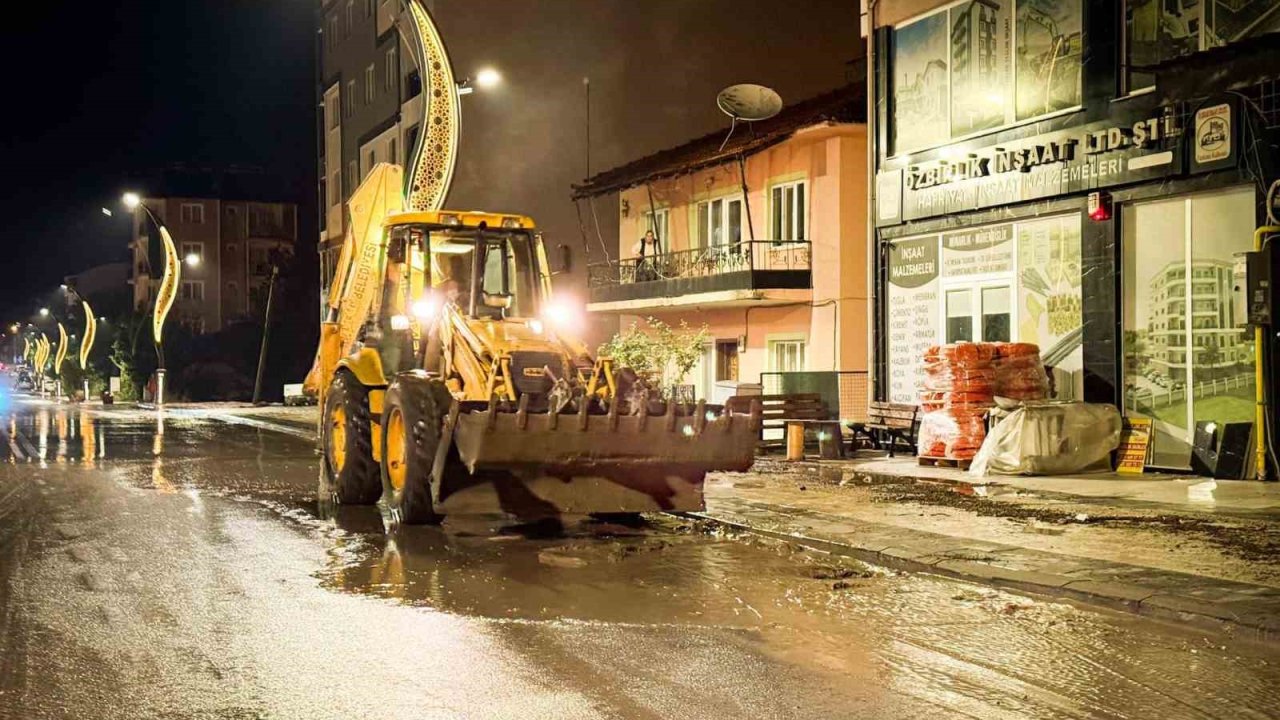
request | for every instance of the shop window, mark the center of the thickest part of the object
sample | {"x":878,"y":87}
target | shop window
{"x":786,"y":355}
{"x":787,"y":212}
{"x":1186,"y":247}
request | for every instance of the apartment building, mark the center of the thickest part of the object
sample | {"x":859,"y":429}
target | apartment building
{"x":226,"y":247}
{"x":370,"y":104}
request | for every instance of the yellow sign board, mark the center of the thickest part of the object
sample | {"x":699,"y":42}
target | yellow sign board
{"x":1135,"y":446}
{"x":168,"y":285}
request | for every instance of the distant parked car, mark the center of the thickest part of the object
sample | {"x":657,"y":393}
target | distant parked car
{"x":22,"y":381}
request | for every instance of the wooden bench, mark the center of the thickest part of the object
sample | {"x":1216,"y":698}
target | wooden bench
{"x":888,"y":424}
{"x":793,"y":414}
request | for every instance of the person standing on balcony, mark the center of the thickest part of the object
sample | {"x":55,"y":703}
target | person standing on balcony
{"x":647,"y":252}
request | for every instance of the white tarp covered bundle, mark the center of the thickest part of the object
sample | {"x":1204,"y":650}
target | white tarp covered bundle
{"x":1049,"y":439}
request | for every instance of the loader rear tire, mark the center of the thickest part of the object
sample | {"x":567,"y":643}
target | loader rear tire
{"x":348,"y":450}
{"x":413,"y":423}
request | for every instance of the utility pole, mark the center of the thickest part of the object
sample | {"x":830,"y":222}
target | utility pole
{"x":266,"y":334}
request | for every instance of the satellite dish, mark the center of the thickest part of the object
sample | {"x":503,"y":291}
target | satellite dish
{"x":749,"y":102}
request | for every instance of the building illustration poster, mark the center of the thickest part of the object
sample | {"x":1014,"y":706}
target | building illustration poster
{"x":921,"y":83}
{"x":1048,"y":52}
{"x":980,"y":52}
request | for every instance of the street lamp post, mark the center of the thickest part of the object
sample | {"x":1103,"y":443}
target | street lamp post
{"x":166,"y":293}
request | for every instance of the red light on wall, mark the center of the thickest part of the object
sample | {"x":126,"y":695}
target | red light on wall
{"x":1099,"y":206}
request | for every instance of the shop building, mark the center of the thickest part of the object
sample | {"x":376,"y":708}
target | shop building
{"x":761,"y":239}
{"x":1083,"y":176}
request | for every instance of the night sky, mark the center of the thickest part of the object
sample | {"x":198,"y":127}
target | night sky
{"x":100,"y":93}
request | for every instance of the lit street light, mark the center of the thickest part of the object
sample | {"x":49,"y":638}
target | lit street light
{"x":132,"y":200}
{"x":488,"y":78}
{"x":193,"y":260}
{"x":44,"y":312}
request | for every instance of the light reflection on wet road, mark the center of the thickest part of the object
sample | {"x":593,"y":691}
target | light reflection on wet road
{"x":182,"y":568}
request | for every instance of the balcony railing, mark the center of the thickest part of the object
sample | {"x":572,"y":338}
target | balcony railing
{"x":744,"y":257}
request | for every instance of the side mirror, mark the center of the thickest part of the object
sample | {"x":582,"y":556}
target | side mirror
{"x":566,"y":258}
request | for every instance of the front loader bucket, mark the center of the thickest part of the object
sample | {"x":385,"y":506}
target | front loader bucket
{"x":539,"y":464}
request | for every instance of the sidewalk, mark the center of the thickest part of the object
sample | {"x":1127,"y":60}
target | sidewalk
{"x":1184,"y":549}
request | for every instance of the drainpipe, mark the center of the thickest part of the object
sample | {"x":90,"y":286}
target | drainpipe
{"x":872,"y":241}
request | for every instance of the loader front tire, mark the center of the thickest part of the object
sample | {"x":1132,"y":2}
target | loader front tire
{"x":348,"y":450}
{"x":413,"y":423}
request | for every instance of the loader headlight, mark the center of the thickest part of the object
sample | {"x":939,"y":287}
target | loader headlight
{"x":425,"y":309}
{"x":536,"y":326}
{"x":563,"y":315}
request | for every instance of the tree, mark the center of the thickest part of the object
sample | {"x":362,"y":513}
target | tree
{"x":658,"y":352}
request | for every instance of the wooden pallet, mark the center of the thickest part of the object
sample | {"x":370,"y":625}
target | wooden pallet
{"x":945,"y":462}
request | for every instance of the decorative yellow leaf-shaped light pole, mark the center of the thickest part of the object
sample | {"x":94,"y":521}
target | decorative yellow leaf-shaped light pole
{"x":58,"y":359}
{"x":166,"y":293}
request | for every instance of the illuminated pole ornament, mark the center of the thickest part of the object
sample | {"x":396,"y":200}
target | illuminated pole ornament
{"x":168,"y":285}
{"x":26,"y":350}
{"x":90,"y":333}
{"x":62,"y":350}
{"x":433,"y":160}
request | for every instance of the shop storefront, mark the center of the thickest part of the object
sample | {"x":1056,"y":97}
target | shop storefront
{"x":1109,"y":228}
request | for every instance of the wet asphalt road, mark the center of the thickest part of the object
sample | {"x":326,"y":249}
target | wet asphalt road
{"x":182,"y":568}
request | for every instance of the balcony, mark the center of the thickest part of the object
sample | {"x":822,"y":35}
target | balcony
{"x":747,"y":273}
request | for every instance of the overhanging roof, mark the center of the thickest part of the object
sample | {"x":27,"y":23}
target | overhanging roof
{"x":843,"y":105}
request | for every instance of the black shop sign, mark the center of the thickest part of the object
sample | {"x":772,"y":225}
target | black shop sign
{"x":1070,"y":161}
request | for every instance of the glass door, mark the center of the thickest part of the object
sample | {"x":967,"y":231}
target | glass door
{"x":1187,"y":355}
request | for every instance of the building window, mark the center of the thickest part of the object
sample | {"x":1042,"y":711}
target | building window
{"x":787,"y":212}
{"x":786,"y":355}
{"x":718,"y":222}
{"x":368,"y":7}
{"x":192,"y":290}
{"x":233,"y":289}
{"x":370,"y":84}
{"x":190,"y":249}
{"x":411,"y":139}
{"x":353,"y":175}
{"x":413,"y":85}
{"x":333,"y":32}
{"x":392,"y":155}
{"x":390,"y":76}
{"x":191,"y":214}
{"x":349,"y":100}
{"x":335,"y":188}
{"x":351,"y":16}
{"x":333,"y":117}
{"x":372,"y":161}
{"x":659,"y":222}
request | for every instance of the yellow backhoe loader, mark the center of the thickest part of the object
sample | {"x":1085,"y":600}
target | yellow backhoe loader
{"x":463,"y":387}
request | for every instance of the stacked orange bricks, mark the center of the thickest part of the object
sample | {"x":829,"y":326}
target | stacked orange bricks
{"x":961,"y":382}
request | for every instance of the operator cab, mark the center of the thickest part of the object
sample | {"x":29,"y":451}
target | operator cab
{"x":481,"y":265}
